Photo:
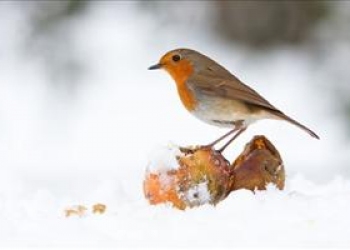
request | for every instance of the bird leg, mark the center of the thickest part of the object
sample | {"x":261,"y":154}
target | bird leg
{"x":238,"y":127}
{"x":210,"y":145}
{"x":240,"y":131}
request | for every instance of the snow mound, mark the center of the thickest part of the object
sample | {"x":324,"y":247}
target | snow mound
{"x":164,"y":158}
{"x":303,"y":215}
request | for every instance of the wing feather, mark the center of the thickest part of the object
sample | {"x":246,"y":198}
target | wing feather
{"x":231,"y":88}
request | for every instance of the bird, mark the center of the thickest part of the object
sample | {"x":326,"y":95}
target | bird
{"x":216,"y":96}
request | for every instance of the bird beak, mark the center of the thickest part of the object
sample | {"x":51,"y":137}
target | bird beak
{"x":156,"y":66}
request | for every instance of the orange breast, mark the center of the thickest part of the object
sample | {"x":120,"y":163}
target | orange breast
{"x":180,"y":73}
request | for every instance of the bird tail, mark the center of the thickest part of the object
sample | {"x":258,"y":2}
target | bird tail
{"x":306,"y":129}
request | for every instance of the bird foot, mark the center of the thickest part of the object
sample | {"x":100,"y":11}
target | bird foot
{"x":192,"y":149}
{"x":205,"y":147}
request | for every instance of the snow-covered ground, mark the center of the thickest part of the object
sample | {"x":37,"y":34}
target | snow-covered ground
{"x":55,"y":152}
{"x":303,"y":215}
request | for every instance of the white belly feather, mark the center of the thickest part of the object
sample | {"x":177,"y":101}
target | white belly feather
{"x":224,"y":113}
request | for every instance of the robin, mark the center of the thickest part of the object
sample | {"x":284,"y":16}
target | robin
{"x":215,"y":96}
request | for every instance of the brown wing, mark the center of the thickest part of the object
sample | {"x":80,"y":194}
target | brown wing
{"x":231,"y":88}
{"x":234,"y":89}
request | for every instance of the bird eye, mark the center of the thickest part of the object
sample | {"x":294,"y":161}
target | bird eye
{"x":176,"y":58}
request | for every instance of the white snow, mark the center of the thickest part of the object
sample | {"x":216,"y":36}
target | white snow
{"x":164,"y":158}
{"x":198,"y":194}
{"x":304,"y":214}
{"x":57,"y":153}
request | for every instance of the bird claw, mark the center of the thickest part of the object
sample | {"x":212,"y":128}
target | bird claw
{"x":205,"y":147}
{"x":187,"y":150}
{"x":192,"y":149}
